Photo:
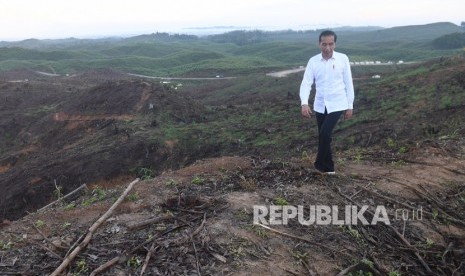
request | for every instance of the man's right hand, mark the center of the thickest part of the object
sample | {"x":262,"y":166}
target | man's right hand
{"x":306,"y":112}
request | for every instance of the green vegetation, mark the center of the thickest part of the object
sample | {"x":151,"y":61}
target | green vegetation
{"x":450,"y":41}
{"x":429,"y":242}
{"x":40,"y":224}
{"x":280,"y":201}
{"x":257,"y":113}
{"x":152,"y":126}
{"x":66,"y":225}
{"x":145,"y":173}
{"x":197,"y":180}
{"x":5,"y":245}
{"x":97,"y":194}
{"x":81,"y":268}
{"x":58,"y":192}
{"x":237,"y":52}
{"x":252,"y":114}
{"x":70,"y":206}
{"x":134,"y":262}
{"x":133,"y":197}
{"x":171,"y":183}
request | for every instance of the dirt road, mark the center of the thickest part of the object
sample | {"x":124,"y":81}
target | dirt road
{"x":284,"y":73}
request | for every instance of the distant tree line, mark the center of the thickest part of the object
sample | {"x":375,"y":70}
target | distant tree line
{"x":174,"y":37}
{"x":242,"y":37}
{"x":161,"y":36}
{"x":450,"y":41}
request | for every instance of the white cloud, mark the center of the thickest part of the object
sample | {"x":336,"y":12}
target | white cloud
{"x":22,"y":19}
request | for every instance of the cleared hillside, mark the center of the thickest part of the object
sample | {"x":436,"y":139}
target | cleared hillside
{"x":199,"y":219}
{"x":208,"y":151}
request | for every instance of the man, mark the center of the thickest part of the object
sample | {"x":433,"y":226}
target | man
{"x":330,"y":71}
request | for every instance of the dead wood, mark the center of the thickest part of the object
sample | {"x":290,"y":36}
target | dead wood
{"x":347,"y":270}
{"x":9,"y":265}
{"x":302,"y":239}
{"x":218,"y":257}
{"x":439,"y":204}
{"x":406,"y":205}
{"x":48,"y":250}
{"x":359,"y":267}
{"x":434,"y":165}
{"x":105,"y":266}
{"x":189,"y":237}
{"x":197,"y":263}
{"x":83,"y":186}
{"x":405,"y":241}
{"x":92,"y":229}
{"x":75,"y":244}
{"x":141,"y":224}
{"x":123,"y":257}
{"x":310,"y":271}
{"x":147,"y":258}
{"x":47,"y":239}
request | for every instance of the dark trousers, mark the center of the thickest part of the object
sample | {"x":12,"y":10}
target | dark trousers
{"x":326,"y":123}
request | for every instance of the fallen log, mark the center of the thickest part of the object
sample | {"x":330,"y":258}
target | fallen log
{"x":141,"y":224}
{"x":92,"y":229}
{"x":83,"y":186}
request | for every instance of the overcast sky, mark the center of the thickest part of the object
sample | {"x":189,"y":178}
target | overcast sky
{"x":23,"y":19}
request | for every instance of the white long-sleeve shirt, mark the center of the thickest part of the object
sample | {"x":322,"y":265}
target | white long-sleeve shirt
{"x":333,"y":82}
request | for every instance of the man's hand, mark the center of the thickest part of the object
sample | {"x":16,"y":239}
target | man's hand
{"x":348,"y":114}
{"x":306,"y":112}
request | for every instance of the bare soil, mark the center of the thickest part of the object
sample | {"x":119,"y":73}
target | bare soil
{"x":67,"y":131}
{"x":216,"y":197}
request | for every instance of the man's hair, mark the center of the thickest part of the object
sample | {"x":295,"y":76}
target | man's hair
{"x":327,"y":33}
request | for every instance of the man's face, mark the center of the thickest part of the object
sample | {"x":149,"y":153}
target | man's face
{"x":327,"y":45}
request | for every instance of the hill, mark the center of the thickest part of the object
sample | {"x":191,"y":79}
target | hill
{"x":413,"y":33}
{"x":208,"y":151}
{"x":230,"y":54}
{"x":66,"y":134}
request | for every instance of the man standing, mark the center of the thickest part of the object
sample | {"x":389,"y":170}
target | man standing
{"x":330,"y":71}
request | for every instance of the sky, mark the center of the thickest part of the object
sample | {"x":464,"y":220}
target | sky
{"x":51,"y":19}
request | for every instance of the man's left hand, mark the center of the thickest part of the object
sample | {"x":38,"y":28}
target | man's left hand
{"x":348,"y":114}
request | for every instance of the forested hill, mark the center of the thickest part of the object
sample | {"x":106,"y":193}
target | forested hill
{"x":410,"y":33}
{"x":229,"y":54}
{"x":363,"y":33}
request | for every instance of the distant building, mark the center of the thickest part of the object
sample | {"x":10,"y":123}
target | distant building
{"x":376,"y":77}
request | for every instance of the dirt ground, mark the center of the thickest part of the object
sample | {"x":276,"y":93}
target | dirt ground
{"x":202,"y":222}
{"x":67,"y":131}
